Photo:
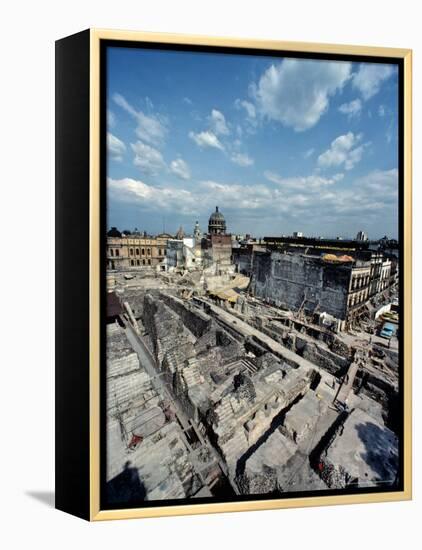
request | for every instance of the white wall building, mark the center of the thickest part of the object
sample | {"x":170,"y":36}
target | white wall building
{"x":181,"y":254}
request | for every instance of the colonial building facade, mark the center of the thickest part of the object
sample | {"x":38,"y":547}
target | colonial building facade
{"x":133,"y":251}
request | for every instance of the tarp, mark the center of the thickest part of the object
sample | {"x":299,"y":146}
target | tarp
{"x":229,"y":295}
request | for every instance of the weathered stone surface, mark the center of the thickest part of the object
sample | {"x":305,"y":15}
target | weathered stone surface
{"x":254,"y":394}
{"x":299,"y":281}
{"x":364,"y":453}
{"x":302,"y":417}
{"x":262,"y":468}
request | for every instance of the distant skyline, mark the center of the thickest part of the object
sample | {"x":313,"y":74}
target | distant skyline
{"x":280,"y":145}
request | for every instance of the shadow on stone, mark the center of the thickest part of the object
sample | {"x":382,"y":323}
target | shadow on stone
{"x":381,"y":451}
{"x":126,"y":487}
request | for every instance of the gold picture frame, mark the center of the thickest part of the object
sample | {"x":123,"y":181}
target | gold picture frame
{"x":92,"y":508}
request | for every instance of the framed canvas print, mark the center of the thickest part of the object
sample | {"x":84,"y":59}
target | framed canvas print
{"x":233,"y":274}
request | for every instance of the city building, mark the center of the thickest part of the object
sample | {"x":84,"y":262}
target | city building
{"x":133,"y":251}
{"x":312,"y":276}
{"x":361,"y":236}
{"x":213,"y":250}
{"x":180,"y":254}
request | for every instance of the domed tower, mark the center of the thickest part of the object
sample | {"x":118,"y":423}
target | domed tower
{"x":197,"y":233}
{"x":217,"y":223}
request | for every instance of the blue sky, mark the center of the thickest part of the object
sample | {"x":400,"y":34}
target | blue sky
{"x":280,"y":145}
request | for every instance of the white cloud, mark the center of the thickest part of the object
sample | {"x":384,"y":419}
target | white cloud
{"x":151,"y":128}
{"x":115,"y":146}
{"x":217,"y":126}
{"x":391,"y":132}
{"x":244,"y":197}
{"x":149,"y":103}
{"x":247,"y":105}
{"x":242,"y":159}
{"x":111,"y":119}
{"x":307,"y":154}
{"x":314,"y":182}
{"x":121,"y":102}
{"x":251,"y":119}
{"x":373,"y":195}
{"x":339,"y":208}
{"x":218,"y":123}
{"x":381,"y":111}
{"x":180,"y":168}
{"x":148,"y":159}
{"x":153,"y":198}
{"x":206,"y":139}
{"x":187,"y":100}
{"x":384,"y":183}
{"x":353,"y":108}
{"x":344,"y":151}
{"x":369,"y":77}
{"x":296,"y":92}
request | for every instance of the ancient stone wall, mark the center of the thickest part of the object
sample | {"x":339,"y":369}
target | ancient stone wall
{"x":164,"y":327}
{"x":243,"y":260}
{"x":296,"y":281}
{"x":193,"y":318}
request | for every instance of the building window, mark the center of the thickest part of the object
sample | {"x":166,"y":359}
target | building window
{"x":159,"y":251}
{"x":131,"y":251}
{"x":148,"y":252}
{"x":137,"y":251}
{"x":143,"y":262}
{"x":111,"y":252}
{"x":132,"y":262}
{"x":138,"y":262}
{"x":117,"y":252}
{"x":149,"y":262}
{"x":143,"y":252}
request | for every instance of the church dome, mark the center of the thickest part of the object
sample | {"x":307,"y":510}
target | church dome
{"x":216,"y":223}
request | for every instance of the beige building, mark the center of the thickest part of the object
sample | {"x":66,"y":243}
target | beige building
{"x":359,"y":285}
{"x":132,"y":251}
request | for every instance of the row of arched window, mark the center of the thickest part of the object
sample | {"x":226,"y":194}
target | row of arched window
{"x":138,"y":262}
{"x":135,"y":251}
{"x":360,"y":281}
{"x":358,"y":298}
